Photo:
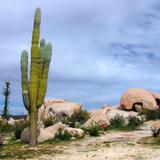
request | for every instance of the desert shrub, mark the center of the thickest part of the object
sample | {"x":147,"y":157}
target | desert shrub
{"x":134,"y":122}
{"x":5,"y":127}
{"x":94,"y":130}
{"x":48,"y":122}
{"x":152,"y":115}
{"x":64,"y":136}
{"x":117,"y":121}
{"x":19,"y":127}
{"x":78,"y":118}
{"x":155,"y":132}
{"x":55,"y":119}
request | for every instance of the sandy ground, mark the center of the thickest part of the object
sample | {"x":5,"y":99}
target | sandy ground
{"x":111,"y":146}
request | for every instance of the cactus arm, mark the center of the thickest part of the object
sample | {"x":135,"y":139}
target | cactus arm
{"x":24,"y":73}
{"x":41,"y":61}
{"x":43,"y":82}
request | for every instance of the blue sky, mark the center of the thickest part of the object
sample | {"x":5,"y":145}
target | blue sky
{"x":100,"y":48}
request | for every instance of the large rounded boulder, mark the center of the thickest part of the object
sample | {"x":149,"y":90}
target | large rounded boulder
{"x":54,"y":107}
{"x":44,"y":134}
{"x":138,"y":99}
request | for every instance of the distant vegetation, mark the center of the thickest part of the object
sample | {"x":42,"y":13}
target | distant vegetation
{"x":6,"y":94}
{"x":5,"y":127}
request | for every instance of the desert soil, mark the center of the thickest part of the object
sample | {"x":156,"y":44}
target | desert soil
{"x":110,"y":146}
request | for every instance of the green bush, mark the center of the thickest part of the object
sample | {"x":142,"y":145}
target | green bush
{"x":134,"y":122}
{"x":48,"y":122}
{"x":19,"y":127}
{"x":64,"y":136}
{"x":55,"y":119}
{"x":117,"y":121}
{"x":79,"y":117}
{"x":94,"y":130}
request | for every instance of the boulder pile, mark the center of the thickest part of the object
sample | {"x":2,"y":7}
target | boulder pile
{"x":133,"y":102}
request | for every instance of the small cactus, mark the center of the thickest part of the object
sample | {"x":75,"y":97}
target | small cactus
{"x":34,"y":90}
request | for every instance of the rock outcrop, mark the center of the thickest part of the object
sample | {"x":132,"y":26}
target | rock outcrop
{"x":98,"y":116}
{"x":44,"y":133}
{"x":54,"y":107}
{"x":102,"y":117}
{"x":138,"y":99}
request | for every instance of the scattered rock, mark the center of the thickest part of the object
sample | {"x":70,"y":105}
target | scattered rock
{"x":25,"y":135}
{"x":73,"y":138}
{"x":74,"y":132}
{"x":143,"y":98}
{"x":11,"y":121}
{"x":54,"y":107}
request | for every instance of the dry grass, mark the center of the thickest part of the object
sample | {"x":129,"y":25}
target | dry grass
{"x":14,"y":149}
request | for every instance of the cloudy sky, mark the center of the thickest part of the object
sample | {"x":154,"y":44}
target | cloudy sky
{"x":100,"y":48}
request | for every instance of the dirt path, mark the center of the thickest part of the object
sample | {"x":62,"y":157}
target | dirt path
{"x":111,"y":146}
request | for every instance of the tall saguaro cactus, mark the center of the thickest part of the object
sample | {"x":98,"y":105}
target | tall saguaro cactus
{"x":34,"y":90}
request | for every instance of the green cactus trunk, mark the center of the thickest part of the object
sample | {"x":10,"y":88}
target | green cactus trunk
{"x":34,"y":91}
{"x":33,"y":88}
